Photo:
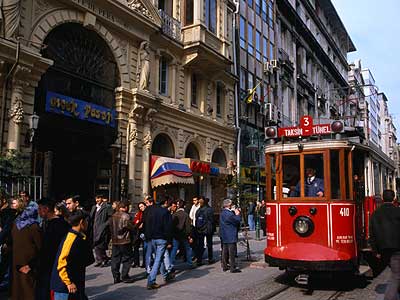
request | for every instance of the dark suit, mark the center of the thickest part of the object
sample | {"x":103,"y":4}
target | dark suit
{"x":101,"y":230}
{"x":311,"y":188}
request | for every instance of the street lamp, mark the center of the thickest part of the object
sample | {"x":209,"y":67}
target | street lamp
{"x":33,"y":126}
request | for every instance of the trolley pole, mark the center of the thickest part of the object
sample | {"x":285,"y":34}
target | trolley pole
{"x":258,"y":186}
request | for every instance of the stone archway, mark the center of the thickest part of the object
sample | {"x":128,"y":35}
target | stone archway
{"x":219,"y":157}
{"x":163,"y":146}
{"x":192,"y":151}
{"x":58,"y":17}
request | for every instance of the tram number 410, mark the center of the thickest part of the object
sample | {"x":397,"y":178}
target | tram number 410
{"x":344,"y":211}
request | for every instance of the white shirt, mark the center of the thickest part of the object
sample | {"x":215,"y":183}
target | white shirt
{"x":192,"y":213}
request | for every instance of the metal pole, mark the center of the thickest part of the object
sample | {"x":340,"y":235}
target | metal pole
{"x":258,"y":185}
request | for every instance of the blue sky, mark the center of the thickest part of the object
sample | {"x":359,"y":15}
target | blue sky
{"x":374,"y":27}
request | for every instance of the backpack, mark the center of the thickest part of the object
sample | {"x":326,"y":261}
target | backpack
{"x":201,"y":221}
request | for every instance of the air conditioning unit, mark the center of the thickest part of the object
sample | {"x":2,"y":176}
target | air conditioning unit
{"x":274,"y":64}
{"x":272,"y":113}
{"x":267,"y":67}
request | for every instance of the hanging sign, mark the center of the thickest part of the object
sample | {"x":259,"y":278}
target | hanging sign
{"x":307,"y":128}
{"x":79,"y":109}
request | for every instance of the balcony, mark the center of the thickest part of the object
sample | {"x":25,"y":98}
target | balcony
{"x":170,"y":26}
{"x":285,"y":60}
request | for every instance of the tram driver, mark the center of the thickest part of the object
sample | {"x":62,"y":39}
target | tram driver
{"x":313,"y":186}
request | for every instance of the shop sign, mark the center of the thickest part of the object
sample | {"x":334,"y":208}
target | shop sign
{"x":214,"y":171}
{"x":307,"y":128}
{"x":79,"y":109}
{"x":200,"y":167}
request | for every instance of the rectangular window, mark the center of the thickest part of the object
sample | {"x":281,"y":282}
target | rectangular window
{"x":335,"y":174}
{"x":291,"y":176}
{"x":242,"y":33}
{"x":258,"y":45}
{"x":314,"y":174}
{"x":265,"y":49}
{"x":258,"y":7}
{"x":163,"y":76}
{"x":264,"y":10}
{"x":250,"y":80}
{"x":243,"y":81}
{"x":194,"y":90}
{"x":250,"y":3}
{"x":271,"y":51}
{"x":189,"y":8}
{"x":219,"y":100}
{"x":271,"y":14}
{"x":250,"y":47}
{"x":211,"y":15}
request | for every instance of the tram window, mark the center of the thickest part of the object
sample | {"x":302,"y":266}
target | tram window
{"x":291,"y":175}
{"x":346,"y":174}
{"x":335,"y":174}
{"x":271,"y":177}
{"x":314,"y":175}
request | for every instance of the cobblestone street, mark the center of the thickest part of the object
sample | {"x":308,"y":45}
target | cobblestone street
{"x":257,"y":281}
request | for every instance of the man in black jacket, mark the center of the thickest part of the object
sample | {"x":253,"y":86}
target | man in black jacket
{"x":158,"y":234}
{"x":99,"y":216}
{"x":385,"y":239}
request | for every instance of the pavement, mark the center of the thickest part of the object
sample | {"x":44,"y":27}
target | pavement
{"x":204,"y":282}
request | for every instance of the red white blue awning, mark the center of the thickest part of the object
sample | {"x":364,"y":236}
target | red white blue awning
{"x":165,"y":170}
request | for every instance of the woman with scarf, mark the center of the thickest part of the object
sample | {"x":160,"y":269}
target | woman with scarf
{"x":26,"y":244}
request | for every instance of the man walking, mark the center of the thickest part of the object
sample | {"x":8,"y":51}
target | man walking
{"x":158,"y":235}
{"x":202,"y":226}
{"x":385,"y":240}
{"x":121,"y":228}
{"x":229,"y":222}
{"x":99,"y":216}
{"x":210,"y":230}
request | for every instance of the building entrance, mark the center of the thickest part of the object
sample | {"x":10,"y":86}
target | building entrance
{"x":74,"y":147}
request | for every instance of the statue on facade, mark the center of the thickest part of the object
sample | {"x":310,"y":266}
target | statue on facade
{"x":11,"y":17}
{"x":143,"y":67}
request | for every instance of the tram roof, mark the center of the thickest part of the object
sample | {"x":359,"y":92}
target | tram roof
{"x":307,"y":145}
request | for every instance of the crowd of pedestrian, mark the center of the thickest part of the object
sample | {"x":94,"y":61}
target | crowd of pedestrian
{"x":45,"y":246}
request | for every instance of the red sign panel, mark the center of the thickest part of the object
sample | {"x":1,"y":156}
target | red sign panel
{"x":343,"y":232}
{"x":307,"y":128}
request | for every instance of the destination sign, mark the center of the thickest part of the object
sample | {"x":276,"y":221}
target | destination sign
{"x":307,"y":128}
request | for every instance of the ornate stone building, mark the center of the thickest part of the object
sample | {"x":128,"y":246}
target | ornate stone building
{"x":113,"y":83}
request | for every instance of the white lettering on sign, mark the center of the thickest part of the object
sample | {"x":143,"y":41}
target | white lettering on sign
{"x":268,"y":211}
{"x":293,"y":132}
{"x":344,"y":239}
{"x":321,"y":129}
{"x":344,"y":211}
{"x":270,"y":236}
{"x":306,"y":121}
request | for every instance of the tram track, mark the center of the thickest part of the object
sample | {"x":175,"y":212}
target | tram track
{"x":275,"y":293}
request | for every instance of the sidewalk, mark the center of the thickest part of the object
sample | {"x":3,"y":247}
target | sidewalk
{"x":205,"y":282}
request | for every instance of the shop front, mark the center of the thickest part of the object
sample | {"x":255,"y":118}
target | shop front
{"x":76,"y":145}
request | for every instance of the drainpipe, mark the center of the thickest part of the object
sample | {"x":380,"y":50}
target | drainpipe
{"x":4,"y":94}
{"x":235,"y":66}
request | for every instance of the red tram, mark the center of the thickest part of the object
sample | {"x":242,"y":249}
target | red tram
{"x":316,"y":209}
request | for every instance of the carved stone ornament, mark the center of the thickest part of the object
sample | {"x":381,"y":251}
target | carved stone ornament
{"x":12,"y":17}
{"x":143,"y":67}
{"x":147,"y":141}
{"x":133,"y":134}
{"x":17,"y":111}
{"x":140,"y":8}
{"x":41,"y":6}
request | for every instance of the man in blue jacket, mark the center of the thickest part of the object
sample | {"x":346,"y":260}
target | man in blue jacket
{"x":229,"y":222}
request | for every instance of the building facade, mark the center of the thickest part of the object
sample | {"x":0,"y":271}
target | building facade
{"x":115,"y":83}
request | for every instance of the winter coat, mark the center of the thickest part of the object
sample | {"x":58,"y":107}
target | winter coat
{"x":229,"y":224}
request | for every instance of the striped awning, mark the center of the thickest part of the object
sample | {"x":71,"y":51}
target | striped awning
{"x":165,"y":170}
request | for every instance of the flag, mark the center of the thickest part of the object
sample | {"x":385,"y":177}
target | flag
{"x":250,"y":94}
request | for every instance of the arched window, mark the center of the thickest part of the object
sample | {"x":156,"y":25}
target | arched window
{"x":163,"y":146}
{"x":189,"y":9}
{"x":192,"y":152}
{"x":219,"y":157}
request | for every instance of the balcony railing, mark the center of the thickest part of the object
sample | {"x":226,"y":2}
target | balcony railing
{"x":171,"y":26}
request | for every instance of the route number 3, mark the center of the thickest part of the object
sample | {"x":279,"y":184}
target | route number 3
{"x":344,"y":211}
{"x":306,"y":121}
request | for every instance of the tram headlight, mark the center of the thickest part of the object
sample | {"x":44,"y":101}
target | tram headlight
{"x":303,"y":226}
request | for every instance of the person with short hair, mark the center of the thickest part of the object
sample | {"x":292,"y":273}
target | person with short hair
{"x":74,"y":255}
{"x":72,"y":203}
{"x":229,"y":222}
{"x":99,"y":216}
{"x":54,"y":229}
{"x":384,"y":239}
{"x":121,"y":228}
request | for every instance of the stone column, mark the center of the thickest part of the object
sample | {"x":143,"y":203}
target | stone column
{"x":131,"y":154}
{"x":188,"y":90}
{"x":147,"y":141}
{"x":16,"y":115}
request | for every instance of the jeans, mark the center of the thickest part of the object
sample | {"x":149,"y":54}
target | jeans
{"x":61,"y":296}
{"x":252,"y":224}
{"x":158,"y":247}
{"x":121,"y":254}
{"x":148,"y":250}
{"x":228,"y":253}
{"x":393,"y":285}
{"x":166,"y":266}
{"x":175,"y":247}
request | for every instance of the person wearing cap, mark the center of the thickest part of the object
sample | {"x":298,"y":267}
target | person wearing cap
{"x":313,"y":186}
{"x":229,"y":222}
